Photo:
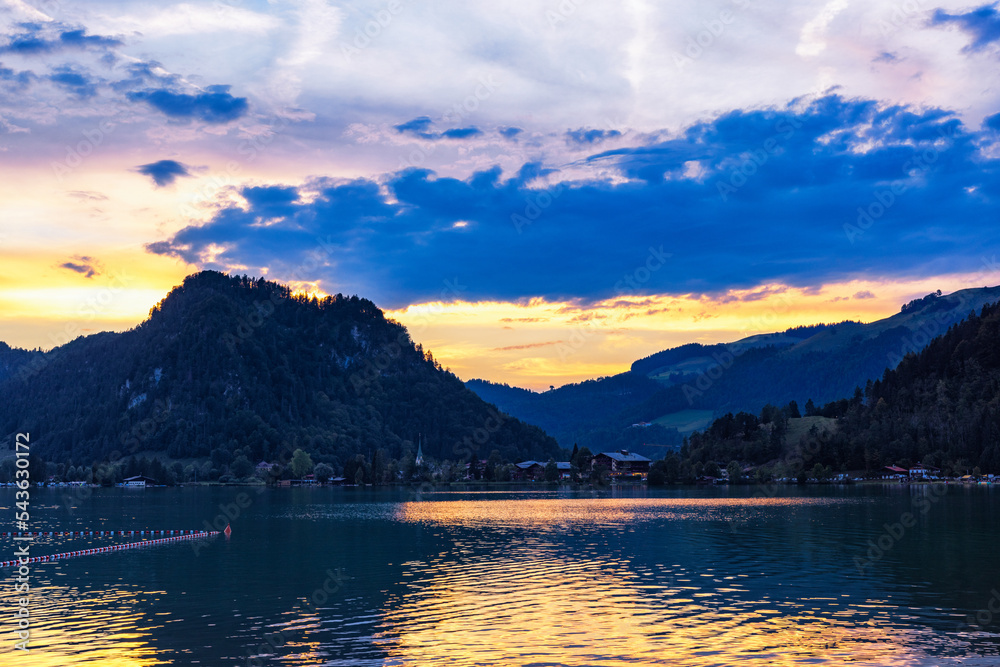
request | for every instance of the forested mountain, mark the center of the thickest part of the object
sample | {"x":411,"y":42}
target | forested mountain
{"x":589,"y":414}
{"x":228,"y":366}
{"x":14,"y":360}
{"x":940,"y":407}
{"x":685,"y":387}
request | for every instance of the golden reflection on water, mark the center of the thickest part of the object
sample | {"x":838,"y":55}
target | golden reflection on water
{"x":531,"y":602}
{"x":556,"y":512}
{"x":73,"y":627}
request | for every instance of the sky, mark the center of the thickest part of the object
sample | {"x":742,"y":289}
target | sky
{"x":542,"y":192}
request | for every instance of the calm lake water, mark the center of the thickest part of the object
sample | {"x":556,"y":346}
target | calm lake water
{"x":406,"y":577}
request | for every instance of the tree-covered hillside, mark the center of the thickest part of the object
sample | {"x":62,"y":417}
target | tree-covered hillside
{"x":229,"y":367}
{"x":821,"y":362}
{"x":940,"y":407}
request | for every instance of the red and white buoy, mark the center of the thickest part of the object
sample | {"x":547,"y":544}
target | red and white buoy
{"x":181,"y":535}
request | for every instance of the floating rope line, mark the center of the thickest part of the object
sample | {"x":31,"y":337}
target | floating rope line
{"x":188,"y":535}
{"x":101,"y":533}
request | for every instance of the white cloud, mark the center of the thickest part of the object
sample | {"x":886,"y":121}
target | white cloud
{"x":812,"y":41}
{"x":21,"y":11}
{"x":187,"y":19}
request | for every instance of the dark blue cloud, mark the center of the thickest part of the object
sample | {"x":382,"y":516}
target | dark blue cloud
{"x":510,"y":132}
{"x":164,"y":172}
{"x":85,"y":266}
{"x":17,"y":80}
{"x":886,"y":57}
{"x":81,"y":40}
{"x":32,"y":42}
{"x":417,"y":127}
{"x":77,"y":82}
{"x":143,"y":75}
{"x":461,"y":133}
{"x":982,"y":25}
{"x":420,"y":127}
{"x":802,"y":195}
{"x":585,"y":136}
{"x":272,"y":200}
{"x":216,"y":105}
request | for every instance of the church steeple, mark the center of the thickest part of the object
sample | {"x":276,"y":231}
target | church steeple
{"x":420,"y":452}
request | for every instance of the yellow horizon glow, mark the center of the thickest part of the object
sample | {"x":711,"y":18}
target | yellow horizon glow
{"x":532,"y":343}
{"x":537,"y":344}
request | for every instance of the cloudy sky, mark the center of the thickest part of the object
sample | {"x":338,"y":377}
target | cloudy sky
{"x":542,"y":191}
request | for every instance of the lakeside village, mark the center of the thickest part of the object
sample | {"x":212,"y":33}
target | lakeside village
{"x":603,"y":468}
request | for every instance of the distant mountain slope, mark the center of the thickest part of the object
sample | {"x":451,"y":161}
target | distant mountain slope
{"x":695,"y":357}
{"x":822,"y":363}
{"x":587,"y":414}
{"x":940,"y":407}
{"x":227,"y":364}
{"x":14,"y":360}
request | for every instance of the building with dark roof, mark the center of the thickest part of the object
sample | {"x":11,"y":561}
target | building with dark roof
{"x":623,"y":463}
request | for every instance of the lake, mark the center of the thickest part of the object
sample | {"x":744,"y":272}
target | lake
{"x":866,"y":575}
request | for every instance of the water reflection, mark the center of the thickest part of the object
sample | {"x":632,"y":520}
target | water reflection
{"x":509,"y":591}
{"x":526,"y":579}
{"x":80,"y":627}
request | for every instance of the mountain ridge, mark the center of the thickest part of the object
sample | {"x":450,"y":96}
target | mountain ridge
{"x":234,"y":366}
{"x":692,"y":383}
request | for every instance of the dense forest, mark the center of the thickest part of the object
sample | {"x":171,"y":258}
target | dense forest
{"x":824,"y":362}
{"x":231,"y":369}
{"x":940,"y":407}
{"x":590,"y":414}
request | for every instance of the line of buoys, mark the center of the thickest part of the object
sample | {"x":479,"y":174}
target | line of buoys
{"x":115,"y":547}
{"x":99,"y":533}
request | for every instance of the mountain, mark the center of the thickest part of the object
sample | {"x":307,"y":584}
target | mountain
{"x":682,"y":389}
{"x":588,"y":414}
{"x":14,"y":361}
{"x":940,"y":407}
{"x":228,"y":366}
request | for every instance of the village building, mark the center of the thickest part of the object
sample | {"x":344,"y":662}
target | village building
{"x":921,"y":471}
{"x":895,"y":472}
{"x":139,"y":481}
{"x":529,"y":471}
{"x":535,"y":470}
{"x":623,"y":463}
